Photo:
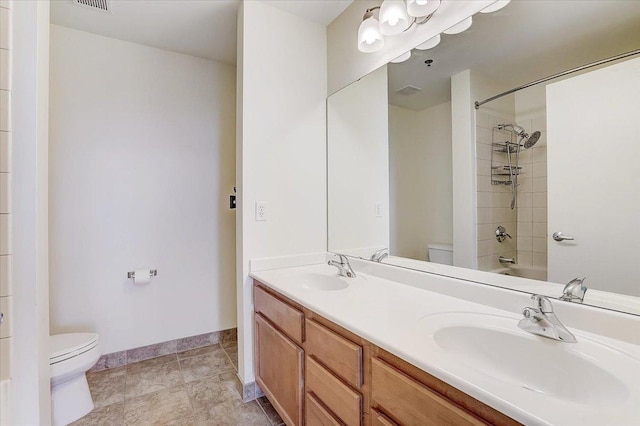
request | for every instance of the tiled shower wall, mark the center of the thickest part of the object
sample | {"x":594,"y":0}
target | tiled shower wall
{"x":532,"y":198}
{"x":5,"y":197}
{"x":493,"y":200}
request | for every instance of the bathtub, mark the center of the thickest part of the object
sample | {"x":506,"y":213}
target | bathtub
{"x":523,"y":272}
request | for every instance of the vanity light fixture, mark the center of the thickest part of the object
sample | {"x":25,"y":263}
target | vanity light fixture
{"x":460,"y":26}
{"x":394,"y":17}
{"x":495,"y":6}
{"x":429,"y":44}
{"x":399,"y":16}
{"x":402,"y":58}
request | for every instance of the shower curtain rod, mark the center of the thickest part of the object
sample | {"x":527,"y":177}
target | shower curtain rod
{"x":560,"y":74}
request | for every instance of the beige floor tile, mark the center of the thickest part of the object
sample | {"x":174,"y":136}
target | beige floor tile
{"x":107,"y":386}
{"x":207,"y":364}
{"x":232,"y":352}
{"x":272,"y":414}
{"x":152,"y":378}
{"x":109,"y":415}
{"x":213,"y":390}
{"x":233,"y":413}
{"x":167,"y":407}
{"x":140,"y":365}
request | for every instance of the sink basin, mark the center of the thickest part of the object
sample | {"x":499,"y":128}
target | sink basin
{"x":321,"y":282}
{"x":586,"y":372}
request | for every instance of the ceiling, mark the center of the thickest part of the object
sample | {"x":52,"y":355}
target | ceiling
{"x":203,"y":28}
{"x":525,"y":41}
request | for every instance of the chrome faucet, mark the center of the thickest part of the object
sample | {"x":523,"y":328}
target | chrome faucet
{"x":541,"y":320}
{"x":343,"y":265}
{"x":503,"y":259}
{"x":574,"y":291}
{"x":380,"y":255}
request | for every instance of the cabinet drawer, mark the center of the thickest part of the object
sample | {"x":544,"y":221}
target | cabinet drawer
{"x":410,"y":402}
{"x":343,"y":401}
{"x":379,"y":419}
{"x":279,"y":365}
{"x":342,"y":356}
{"x":316,"y":414}
{"x":285,"y":317}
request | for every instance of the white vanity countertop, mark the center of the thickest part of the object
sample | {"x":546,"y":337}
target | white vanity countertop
{"x":392,"y":315}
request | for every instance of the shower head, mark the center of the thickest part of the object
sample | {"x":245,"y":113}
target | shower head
{"x":518,"y":130}
{"x":531,"y":140}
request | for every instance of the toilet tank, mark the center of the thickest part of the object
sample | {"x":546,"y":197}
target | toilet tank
{"x":441,"y":253}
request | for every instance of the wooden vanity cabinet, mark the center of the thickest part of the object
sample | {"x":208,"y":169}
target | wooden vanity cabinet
{"x":314,"y":372}
{"x":279,"y":360}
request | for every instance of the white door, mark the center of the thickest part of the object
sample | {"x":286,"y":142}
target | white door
{"x":593,"y":124}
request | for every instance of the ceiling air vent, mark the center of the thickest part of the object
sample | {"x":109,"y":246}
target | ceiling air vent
{"x":408,"y":90}
{"x":101,"y":5}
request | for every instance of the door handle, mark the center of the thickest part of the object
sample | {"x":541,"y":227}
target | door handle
{"x":559,"y":236}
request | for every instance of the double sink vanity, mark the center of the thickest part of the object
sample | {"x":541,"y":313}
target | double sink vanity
{"x":389,"y":346}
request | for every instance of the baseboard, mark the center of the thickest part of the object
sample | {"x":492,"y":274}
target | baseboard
{"x":118,"y":359}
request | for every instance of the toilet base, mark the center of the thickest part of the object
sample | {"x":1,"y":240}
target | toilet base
{"x":70,"y":400}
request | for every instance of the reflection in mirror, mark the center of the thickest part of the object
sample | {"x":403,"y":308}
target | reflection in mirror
{"x":553,"y":161}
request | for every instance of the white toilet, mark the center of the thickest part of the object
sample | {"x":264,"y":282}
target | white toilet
{"x":72,"y":355}
{"x":441,"y":253}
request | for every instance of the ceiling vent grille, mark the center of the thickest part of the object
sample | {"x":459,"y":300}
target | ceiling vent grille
{"x":101,"y":5}
{"x":408,"y":90}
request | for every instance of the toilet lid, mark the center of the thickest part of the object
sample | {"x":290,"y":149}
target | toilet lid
{"x":65,"y":346}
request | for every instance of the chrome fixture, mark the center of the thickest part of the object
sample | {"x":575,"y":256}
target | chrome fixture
{"x":1,"y":318}
{"x":343,"y":265}
{"x":501,"y":234}
{"x":574,"y":291}
{"x":396,"y":17}
{"x":503,"y":259}
{"x":513,"y":169}
{"x":541,"y":320}
{"x":380,"y":255}
{"x":478,"y":104}
{"x":559,"y":236}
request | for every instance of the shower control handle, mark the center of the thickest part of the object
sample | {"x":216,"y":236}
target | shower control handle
{"x":501,"y":234}
{"x":559,"y":236}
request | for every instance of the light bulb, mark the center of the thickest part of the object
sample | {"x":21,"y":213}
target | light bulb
{"x":460,"y":26}
{"x":393,"y":17}
{"x":402,"y":57}
{"x":429,"y":44}
{"x":419,"y":8}
{"x":369,"y":37}
{"x":495,"y":6}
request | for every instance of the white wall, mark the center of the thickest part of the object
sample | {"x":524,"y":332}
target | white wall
{"x":347,"y":64}
{"x":281,"y":146}
{"x":141,"y":168}
{"x":420,"y":179}
{"x":358,"y":165}
{"x":30,"y":384}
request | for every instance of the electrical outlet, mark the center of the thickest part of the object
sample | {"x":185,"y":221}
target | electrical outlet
{"x":261,"y":210}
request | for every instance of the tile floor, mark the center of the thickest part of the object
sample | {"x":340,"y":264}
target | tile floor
{"x":195,"y":387}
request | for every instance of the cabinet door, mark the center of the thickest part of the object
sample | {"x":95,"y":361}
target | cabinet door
{"x":412,"y":403}
{"x":317,"y":415}
{"x":279,"y":370}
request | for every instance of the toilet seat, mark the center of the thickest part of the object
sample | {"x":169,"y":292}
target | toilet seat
{"x":70,"y":345}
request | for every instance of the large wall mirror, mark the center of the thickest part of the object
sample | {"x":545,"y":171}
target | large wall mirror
{"x":557,"y":157}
